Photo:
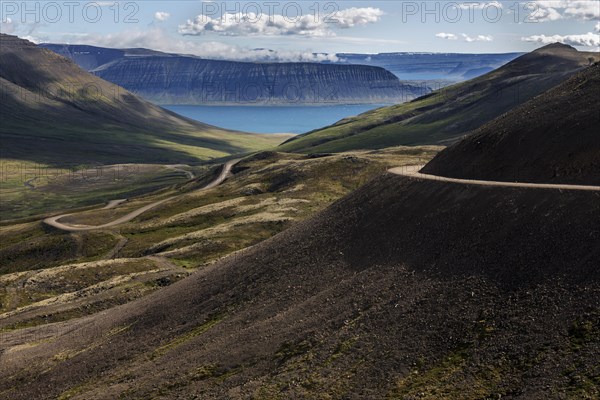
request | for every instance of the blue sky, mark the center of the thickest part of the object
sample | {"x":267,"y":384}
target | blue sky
{"x":296,"y":29}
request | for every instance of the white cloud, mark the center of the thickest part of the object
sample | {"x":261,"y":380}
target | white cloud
{"x":544,"y":14}
{"x":583,"y":9}
{"x":24,"y":30}
{"x":351,"y":17}
{"x":480,"y":5}
{"x":587,"y":40}
{"x":366,"y":41}
{"x":158,"y":39}
{"x":551,"y":3}
{"x":253,"y":24}
{"x":249,"y":24}
{"x":447,"y":36}
{"x":161,"y":15}
{"x":33,"y":39}
{"x":8,"y":26}
{"x":464,"y":37}
{"x":478,"y":38}
{"x":553,"y":10}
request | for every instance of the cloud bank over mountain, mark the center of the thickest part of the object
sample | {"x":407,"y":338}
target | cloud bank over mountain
{"x":464,"y":37}
{"x":250,"y":23}
{"x":589,"y":39}
{"x":158,"y":39}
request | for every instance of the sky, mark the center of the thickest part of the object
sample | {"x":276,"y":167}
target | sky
{"x":307,"y":30}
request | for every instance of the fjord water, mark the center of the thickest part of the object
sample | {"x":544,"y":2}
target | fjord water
{"x":271,"y":119}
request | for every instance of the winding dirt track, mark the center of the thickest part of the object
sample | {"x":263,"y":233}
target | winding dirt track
{"x":412,"y":171}
{"x":177,"y":168}
{"x":55,"y":221}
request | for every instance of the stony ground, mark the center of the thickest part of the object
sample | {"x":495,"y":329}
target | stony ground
{"x":51,"y":276}
{"x":404,"y":289}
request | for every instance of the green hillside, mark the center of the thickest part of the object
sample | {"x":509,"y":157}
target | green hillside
{"x":54,"y":112}
{"x":444,"y":116}
{"x":558,"y":130}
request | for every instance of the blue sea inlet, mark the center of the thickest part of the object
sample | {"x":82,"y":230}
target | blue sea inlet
{"x":271,"y":119}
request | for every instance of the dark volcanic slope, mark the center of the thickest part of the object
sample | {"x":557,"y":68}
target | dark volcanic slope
{"x":53,"y":111}
{"x":179,"y":79}
{"x":446,"y":115}
{"x":553,"y":138}
{"x":404,"y":287}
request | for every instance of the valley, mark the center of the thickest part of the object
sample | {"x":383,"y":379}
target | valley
{"x":55,"y":221}
{"x":33,"y":189}
{"x":446,"y":115}
{"x":64,"y":110}
{"x":191,"y":230}
{"x":443,"y":247}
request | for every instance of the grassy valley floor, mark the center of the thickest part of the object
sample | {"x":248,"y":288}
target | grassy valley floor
{"x":50,"y":276}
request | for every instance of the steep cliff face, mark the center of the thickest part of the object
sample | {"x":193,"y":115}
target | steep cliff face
{"x":174,"y":79}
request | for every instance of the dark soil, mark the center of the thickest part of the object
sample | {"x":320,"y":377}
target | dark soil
{"x":407,"y":289}
{"x":554,"y":138}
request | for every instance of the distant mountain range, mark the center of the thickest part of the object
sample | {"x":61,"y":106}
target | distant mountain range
{"x":53,"y":111}
{"x":182,"y":79}
{"x":444,"y":116}
{"x":432,"y":66}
